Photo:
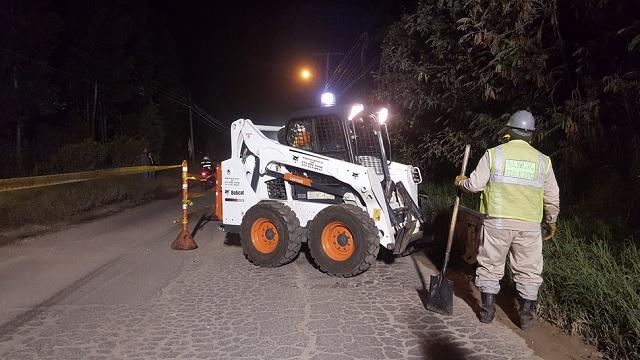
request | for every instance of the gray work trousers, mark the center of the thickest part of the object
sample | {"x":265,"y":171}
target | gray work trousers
{"x":524,"y":249}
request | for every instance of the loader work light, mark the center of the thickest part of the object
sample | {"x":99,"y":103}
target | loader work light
{"x":383,"y":115}
{"x":327,"y":99}
{"x":355,"y":110}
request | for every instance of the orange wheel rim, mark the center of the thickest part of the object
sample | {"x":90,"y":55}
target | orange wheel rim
{"x":337,"y":241}
{"x":264,"y":235}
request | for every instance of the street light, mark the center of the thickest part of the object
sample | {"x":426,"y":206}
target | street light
{"x":305,"y":74}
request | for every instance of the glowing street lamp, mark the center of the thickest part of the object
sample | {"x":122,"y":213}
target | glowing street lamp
{"x":305,"y":74}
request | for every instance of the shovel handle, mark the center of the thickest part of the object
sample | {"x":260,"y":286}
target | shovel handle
{"x":465,"y":159}
{"x":454,"y":214}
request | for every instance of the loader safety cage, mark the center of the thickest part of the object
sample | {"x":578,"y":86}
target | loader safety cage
{"x":329,"y":133}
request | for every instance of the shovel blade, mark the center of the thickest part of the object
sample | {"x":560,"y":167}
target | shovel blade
{"x":440,"y":298}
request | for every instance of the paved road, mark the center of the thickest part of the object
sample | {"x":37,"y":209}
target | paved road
{"x":112,"y":289}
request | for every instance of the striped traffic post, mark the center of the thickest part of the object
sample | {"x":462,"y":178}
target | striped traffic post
{"x":185,"y":241}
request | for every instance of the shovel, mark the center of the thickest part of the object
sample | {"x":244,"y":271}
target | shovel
{"x":440,"y":298}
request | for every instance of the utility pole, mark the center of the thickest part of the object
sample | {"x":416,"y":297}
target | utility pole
{"x":328,"y":56}
{"x":95,"y":106}
{"x":193,"y":143}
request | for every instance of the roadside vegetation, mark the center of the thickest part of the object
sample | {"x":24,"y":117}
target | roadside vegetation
{"x":591,"y":276}
{"x":60,"y":203}
{"x":50,"y":204}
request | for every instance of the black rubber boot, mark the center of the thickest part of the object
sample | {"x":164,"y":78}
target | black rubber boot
{"x":526,"y":310}
{"x":488,"y":311}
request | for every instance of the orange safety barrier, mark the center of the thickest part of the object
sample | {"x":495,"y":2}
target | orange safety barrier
{"x":219,"y":192}
{"x":185,"y":241}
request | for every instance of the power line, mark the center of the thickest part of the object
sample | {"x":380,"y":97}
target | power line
{"x":356,"y":79}
{"x":347,"y":69}
{"x":346,"y":62}
{"x":160,"y":89}
{"x":205,"y":117}
{"x":328,"y":56}
{"x":45,"y":65}
{"x":202,"y":114}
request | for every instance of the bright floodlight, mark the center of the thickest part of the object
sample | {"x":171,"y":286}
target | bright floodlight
{"x":383,"y":115}
{"x":305,"y":74}
{"x":355,"y":110}
{"x":327,"y":99}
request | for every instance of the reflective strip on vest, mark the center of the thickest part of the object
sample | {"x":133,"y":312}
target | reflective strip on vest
{"x":516,"y":184}
{"x":498,"y":169}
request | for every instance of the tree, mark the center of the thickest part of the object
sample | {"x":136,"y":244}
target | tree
{"x":458,"y":68}
{"x":27,"y":90}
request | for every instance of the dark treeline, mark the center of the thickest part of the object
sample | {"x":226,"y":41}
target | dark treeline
{"x":457,"y":69}
{"x":86,"y":78}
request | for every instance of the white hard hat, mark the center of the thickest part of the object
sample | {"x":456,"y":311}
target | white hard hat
{"x":522,"y":120}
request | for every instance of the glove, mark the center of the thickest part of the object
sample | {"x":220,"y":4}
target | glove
{"x":551,"y":231}
{"x":459,"y":179}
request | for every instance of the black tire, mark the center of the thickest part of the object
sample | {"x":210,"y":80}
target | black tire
{"x":289,"y":233}
{"x":365,"y":240}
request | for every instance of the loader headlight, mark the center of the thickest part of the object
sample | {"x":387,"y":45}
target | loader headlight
{"x":355,"y":110}
{"x":383,"y":115}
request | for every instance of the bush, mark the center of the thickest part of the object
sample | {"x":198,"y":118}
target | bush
{"x":63,"y":202}
{"x":86,"y":155}
{"x":92,"y":155}
{"x":125,"y":152}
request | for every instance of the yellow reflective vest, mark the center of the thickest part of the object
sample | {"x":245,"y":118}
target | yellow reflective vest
{"x":516,"y":186}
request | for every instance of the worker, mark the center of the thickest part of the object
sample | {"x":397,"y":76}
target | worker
{"x":145,"y":160}
{"x":205,"y":163}
{"x":301,"y":137}
{"x":518,"y":189}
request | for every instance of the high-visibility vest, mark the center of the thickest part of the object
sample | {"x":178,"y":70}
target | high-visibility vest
{"x":516,"y":187}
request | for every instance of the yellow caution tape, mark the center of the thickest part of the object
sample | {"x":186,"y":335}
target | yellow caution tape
{"x":57,"y":179}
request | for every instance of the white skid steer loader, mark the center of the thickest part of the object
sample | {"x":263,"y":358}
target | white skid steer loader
{"x":323,"y":178}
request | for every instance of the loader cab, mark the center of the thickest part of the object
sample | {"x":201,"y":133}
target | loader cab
{"x":338,"y":133}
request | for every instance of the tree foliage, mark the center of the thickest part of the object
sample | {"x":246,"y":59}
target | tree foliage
{"x":457,"y":69}
{"x":454,"y":71}
{"x":74,"y":72}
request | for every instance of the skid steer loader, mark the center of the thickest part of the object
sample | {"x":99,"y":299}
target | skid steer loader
{"x":323,"y":178}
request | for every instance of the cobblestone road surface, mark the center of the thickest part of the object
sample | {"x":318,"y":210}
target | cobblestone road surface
{"x":148,"y":302}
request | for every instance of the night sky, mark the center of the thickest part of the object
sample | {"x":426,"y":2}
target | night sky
{"x":241,"y":59}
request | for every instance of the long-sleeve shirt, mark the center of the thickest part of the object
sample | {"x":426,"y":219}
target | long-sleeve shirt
{"x":479,"y":178}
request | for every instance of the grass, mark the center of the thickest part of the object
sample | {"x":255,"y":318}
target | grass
{"x":62,"y":202}
{"x":591,"y":274}
{"x":592,"y":286}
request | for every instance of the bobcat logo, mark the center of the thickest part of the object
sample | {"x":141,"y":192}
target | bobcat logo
{"x":226,"y":192}
{"x":295,"y":158}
